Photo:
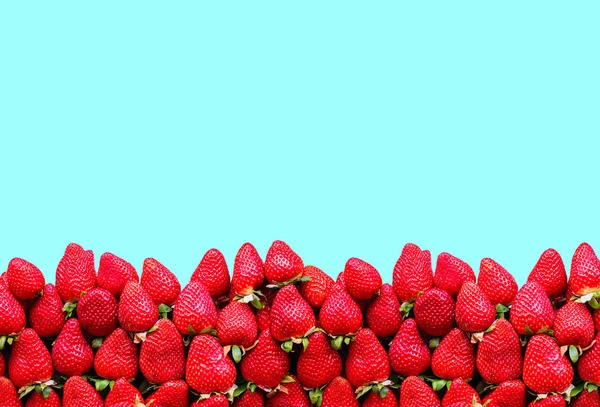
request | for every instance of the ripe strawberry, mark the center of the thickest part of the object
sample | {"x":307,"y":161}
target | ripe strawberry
{"x":114,"y":272}
{"x":12,"y":315}
{"x":460,"y":391}
{"x":383,"y":315}
{"x":531,"y":311}
{"x":511,"y":393}
{"x":545,"y":369}
{"x":550,"y":273}
{"x":216,"y":400}
{"x":501,"y":344}
{"x":162,"y":355}
{"x":158,"y":281}
{"x":75,"y":273}
{"x":412,"y":273}
{"x":409,"y":355}
{"x":250,"y":399}
{"x":263,"y":318}
{"x":339,"y":393}
{"x":585,"y":271}
{"x":137,"y":311}
{"x":194,"y":311}
{"x":38,"y":399}
{"x":97,"y":312}
{"x":71,"y":354}
{"x":497,"y":283}
{"x":574,"y":325}
{"x":266,"y":364}
{"x":291,"y":316}
{"x":208,"y":369}
{"x":319,"y":363}
{"x":10,"y":398}
{"x":170,"y":394}
{"x":474,"y":311}
{"x":248,"y":271}
{"x":236,"y":325}
{"x":362,"y":280}
{"x":77,"y":393}
{"x":375,"y":400}
{"x":586,"y":399}
{"x":117,"y":357}
{"x":553,"y":400}
{"x":294,"y":395}
{"x":451,"y":272}
{"x":367,"y":362}
{"x":123,"y":392}
{"x":282,"y":264}
{"x":434,"y":312}
{"x":315,"y":290}
{"x":46,"y":315}
{"x":588,"y":366}
{"x":30,"y":361}
{"x":416,"y":393}
{"x":213,"y":273}
{"x":454,"y":357}
{"x":25,"y":280}
{"x":340,"y":315}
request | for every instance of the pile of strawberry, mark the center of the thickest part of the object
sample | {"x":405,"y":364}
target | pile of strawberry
{"x":282,"y":334}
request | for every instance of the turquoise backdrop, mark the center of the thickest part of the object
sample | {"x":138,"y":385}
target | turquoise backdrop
{"x":344,"y":128}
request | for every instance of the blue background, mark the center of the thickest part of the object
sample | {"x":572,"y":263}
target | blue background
{"x":346,"y":129}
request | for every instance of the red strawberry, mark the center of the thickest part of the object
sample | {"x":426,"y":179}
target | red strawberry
{"x":162,"y":355}
{"x":545,"y":369}
{"x":236,"y":325}
{"x":383,"y":315}
{"x":319,"y":363}
{"x":263,"y":318}
{"x":367,"y":361}
{"x":550,"y":273}
{"x":474,"y":311}
{"x":30,"y":362}
{"x":170,"y":394}
{"x":588,"y":366}
{"x":114,"y":272}
{"x":501,"y":344}
{"x":339,"y":393}
{"x":194,"y":310}
{"x":266,"y":364}
{"x":315,"y":290}
{"x":376,"y":400}
{"x":585,"y":271}
{"x":12,"y":315}
{"x":75,"y":273}
{"x":340,"y":315}
{"x":123,"y":391}
{"x":2,"y":365}
{"x":460,"y":391}
{"x":412,"y":273}
{"x":497,"y":283}
{"x":250,"y":399}
{"x":77,"y":393}
{"x":282,"y":264}
{"x":574,"y":325}
{"x":209,"y":370}
{"x":586,"y":399}
{"x":409,"y":355}
{"x":553,"y":400}
{"x":511,"y":393}
{"x":216,"y":400}
{"x":97,"y":312}
{"x":117,"y":357}
{"x":531,"y":311}
{"x":71,"y":354}
{"x":38,"y":399}
{"x":25,"y":280}
{"x":454,"y":357}
{"x":137,"y":311}
{"x":434,"y":312}
{"x":451,"y":272}
{"x":291,"y":316}
{"x":294,"y":395}
{"x":362,"y":280}
{"x":248,"y":272}
{"x":10,"y":398}
{"x":416,"y":393}
{"x":213,"y":273}
{"x":46,"y":315}
{"x":158,"y":281}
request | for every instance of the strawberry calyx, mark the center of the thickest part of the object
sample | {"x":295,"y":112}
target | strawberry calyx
{"x":288,"y":345}
{"x":43,"y":388}
{"x":434,"y":342}
{"x":242,"y":388}
{"x":237,"y":351}
{"x":575,"y":351}
{"x":437,"y":384}
{"x":100,"y":383}
{"x":164,"y":310}
{"x":381,"y":388}
{"x":501,"y":310}
{"x":575,"y":390}
{"x":406,"y":309}
{"x":253,"y":298}
{"x":316,"y":395}
{"x":69,"y":308}
{"x":298,"y":279}
{"x":477,"y":337}
{"x":593,"y":299}
{"x":280,"y":387}
{"x":7,"y":339}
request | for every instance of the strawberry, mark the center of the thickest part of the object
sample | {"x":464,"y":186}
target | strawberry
{"x":451,"y":272}
{"x":216,"y":400}
{"x":114,"y":272}
{"x":412,"y":273}
{"x":291,"y":316}
{"x":162,"y":355}
{"x":383,"y":315}
{"x":213,"y":273}
{"x":409,"y":355}
{"x":585,"y":271}
{"x":553,"y":400}
{"x":208,"y":369}
{"x":377,"y":400}
{"x":367,"y":361}
{"x":25,"y":280}
{"x":39,"y":400}
{"x":531,"y":311}
{"x":586,"y":399}
{"x":282,"y":264}
{"x":460,"y":391}
{"x":194,"y":310}
{"x":117,"y":357}
{"x":340,"y":315}
{"x":319,"y":363}
{"x":137,"y":311}
{"x":10,"y":398}
{"x":71,"y":354}
{"x":339,"y":393}
{"x":545,"y":369}
{"x":454,"y":357}
{"x":596,"y":318}
{"x":12,"y":316}
{"x":362,"y":280}
{"x":30,"y":362}
{"x":97,"y":312}
{"x":497,"y":283}
{"x":237,"y":327}
{"x":588,"y":366}
{"x":171,"y":394}
{"x":550,"y":273}
{"x":77,"y":393}
{"x":511,"y":393}
{"x":75,"y":273}
{"x":266,"y":364}
{"x":293,"y":395}
{"x":416,"y":393}
{"x":501,"y":344}
{"x":2,"y":365}
{"x":434,"y":312}
{"x":159,"y":282}
{"x":46,"y":315}
{"x":248,"y":271}
{"x":250,"y":399}
{"x":263,"y":318}
{"x":315,"y":290}
{"x":474,"y":311}
{"x":123,"y":391}
{"x":574,"y":325}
